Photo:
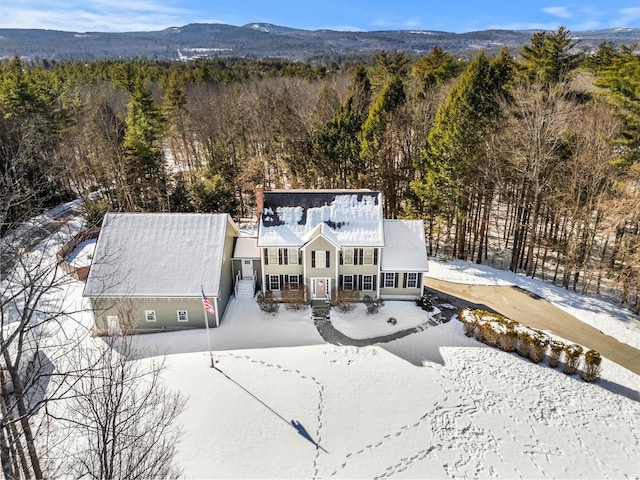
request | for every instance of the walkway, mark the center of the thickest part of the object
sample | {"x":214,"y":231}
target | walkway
{"x":329,"y":333}
{"x":535,"y":312}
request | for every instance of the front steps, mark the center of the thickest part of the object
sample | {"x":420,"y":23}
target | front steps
{"x":320,"y":310}
{"x":244,"y":289}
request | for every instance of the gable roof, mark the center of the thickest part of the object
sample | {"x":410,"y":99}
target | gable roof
{"x":349,"y":217}
{"x":405,"y":249}
{"x":158,"y":255}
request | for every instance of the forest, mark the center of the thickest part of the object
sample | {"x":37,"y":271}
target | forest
{"x":525,"y":160}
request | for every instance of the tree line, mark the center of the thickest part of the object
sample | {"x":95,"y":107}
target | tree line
{"x":524,"y":160}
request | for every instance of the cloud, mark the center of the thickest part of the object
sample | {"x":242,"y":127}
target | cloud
{"x":560,"y":12}
{"x":98,"y":15}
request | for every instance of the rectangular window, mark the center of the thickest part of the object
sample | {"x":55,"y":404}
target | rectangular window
{"x":347,"y":256}
{"x":292,"y":255}
{"x":321,"y":259}
{"x":347,"y":282}
{"x":412,"y":280}
{"x":150,"y":315}
{"x":367,"y":282}
{"x":293,"y":282}
{"x":368,"y":256}
{"x":183,"y":316}
{"x":389,"y":280}
{"x":274,"y":282}
{"x":273,"y":256}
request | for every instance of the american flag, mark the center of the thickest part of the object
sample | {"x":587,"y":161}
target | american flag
{"x":208,"y":306}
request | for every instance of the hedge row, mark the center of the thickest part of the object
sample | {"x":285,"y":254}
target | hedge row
{"x":498,"y":331}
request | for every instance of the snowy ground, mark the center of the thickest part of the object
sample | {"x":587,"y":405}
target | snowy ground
{"x":430,"y":405}
{"x":82,"y":255}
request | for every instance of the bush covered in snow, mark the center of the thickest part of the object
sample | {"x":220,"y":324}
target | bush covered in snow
{"x":425,"y":303}
{"x":373,"y":304}
{"x":268,"y":303}
{"x":592,"y":368}
{"x":572,"y":354}
{"x":556,"y":347}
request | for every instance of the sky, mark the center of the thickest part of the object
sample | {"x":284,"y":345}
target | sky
{"x":445,"y":15}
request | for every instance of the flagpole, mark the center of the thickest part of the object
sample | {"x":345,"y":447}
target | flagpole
{"x":206,"y":321}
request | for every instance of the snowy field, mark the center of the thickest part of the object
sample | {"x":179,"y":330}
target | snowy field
{"x":434,"y":404}
{"x":431,"y":405}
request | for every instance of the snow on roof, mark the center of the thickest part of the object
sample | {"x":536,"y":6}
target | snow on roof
{"x":404,"y":246}
{"x":352,"y":217}
{"x":246,"y":247}
{"x":158,"y":255}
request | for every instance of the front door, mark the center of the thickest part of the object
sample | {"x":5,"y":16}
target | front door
{"x":320,"y":288}
{"x":247,"y":269}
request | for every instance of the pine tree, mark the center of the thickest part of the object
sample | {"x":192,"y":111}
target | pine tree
{"x":551,"y":57}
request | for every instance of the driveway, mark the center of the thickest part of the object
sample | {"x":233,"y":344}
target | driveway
{"x":535,"y":312}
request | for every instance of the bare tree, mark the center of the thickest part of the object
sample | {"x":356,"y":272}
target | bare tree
{"x":122,"y":415}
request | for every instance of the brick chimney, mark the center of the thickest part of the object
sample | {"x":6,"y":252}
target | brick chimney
{"x":259,"y":201}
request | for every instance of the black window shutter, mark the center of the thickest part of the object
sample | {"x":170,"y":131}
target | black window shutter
{"x":286,"y":256}
{"x":339,"y":280}
{"x":404,"y":281}
{"x":361,"y":256}
{"x":281,"y":282}
{"x":299,"y":257}
{"x":279,"y":256}
{"x":328,"y":258}
{"x":359,"y":282}
{"x":375,"y":256}
{"x":266,"y":256}
{"x":341,"y":259}
{"x":267,"y":282}
{"x":395,"y":281}
{"x":313,"y":259}
{"x":419,"y":280}
{"x":374,"y":282}
{"x":300,"y":280}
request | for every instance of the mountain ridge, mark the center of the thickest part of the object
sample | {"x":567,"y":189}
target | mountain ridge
{"x":259,"y":40}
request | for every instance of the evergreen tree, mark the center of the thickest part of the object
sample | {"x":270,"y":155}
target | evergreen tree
{"x":551,"y":56}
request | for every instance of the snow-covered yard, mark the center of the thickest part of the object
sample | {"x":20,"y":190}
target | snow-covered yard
{"x":433,"y":404}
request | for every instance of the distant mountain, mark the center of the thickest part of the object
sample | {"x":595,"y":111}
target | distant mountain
{"x":263,"y":40}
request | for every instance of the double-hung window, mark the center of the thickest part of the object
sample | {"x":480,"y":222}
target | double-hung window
{"x":183,"y":316}
{"x":293,"y":282}
{"x":273,"y":256}
{"x":412,"y":280}
{"x":389,"y":280}
{"x":367,"y":282}
{"x":292,"y":256}
{"x":368,"y":256}
{"x":347,"y":256}
{"x":274,"y":282}
{"x":150,"y":315}
{"x":347,"y":282}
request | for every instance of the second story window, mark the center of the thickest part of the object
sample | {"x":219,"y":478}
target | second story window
{"x":273,"y":256}
{"x":320,"y":259}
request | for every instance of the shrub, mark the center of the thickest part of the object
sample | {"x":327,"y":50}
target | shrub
{"x":487,"y":333}
{"x":524,"y":343}
{"x":345,"y":300}
{"x":294,"y":298}
{"x":508,"y":340}
{"x":468,"y":320}
{"x":538,"y":342}
{"x":268,"y":303}
{"x":425,"y":303}
{"x":592,"y":367}
{"x":572,"y":354}
{"x":373,"y":304}
{"x":556,"y":348}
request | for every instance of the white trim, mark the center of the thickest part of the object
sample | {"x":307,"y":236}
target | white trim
{"x":364,"y":277}
{"x":344,"y":255}
{"x":344,"y":276}
{"x":277,"y":277}
{"x":364,"y":256}
{"x":296,"y":256}
{"x":415,"y":280}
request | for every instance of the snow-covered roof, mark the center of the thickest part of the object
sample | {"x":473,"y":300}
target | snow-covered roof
{"x":158,"y":255}
{"x":246,"y":247}
{"x":350,"y":217}
{"x":405,"y":248}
